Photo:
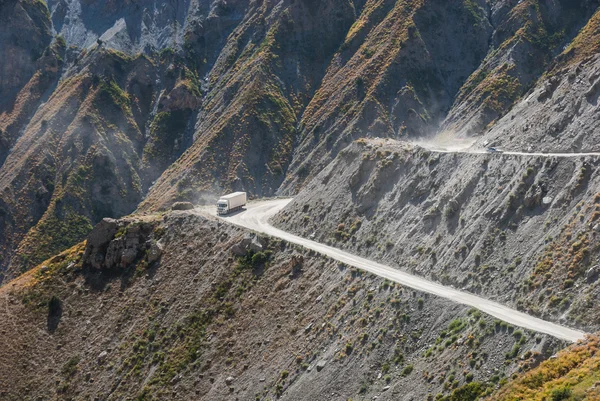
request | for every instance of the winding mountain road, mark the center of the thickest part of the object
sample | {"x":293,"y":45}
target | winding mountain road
{"x":256,"y":217}
{"x":511,"y":153}
{"x":452,"y":146}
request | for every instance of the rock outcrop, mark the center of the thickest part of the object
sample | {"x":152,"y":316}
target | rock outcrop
{"x":118,"y":244}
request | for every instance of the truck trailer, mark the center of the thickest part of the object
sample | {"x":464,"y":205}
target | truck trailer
{"x":231,"y":202}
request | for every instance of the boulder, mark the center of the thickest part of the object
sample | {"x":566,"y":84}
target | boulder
{"x":592,"y":274}
{"x":250,"y":242}
{"x":321,"y":365}
{"x":102,"y":357}
{"x":114,"y":252}
{"x":98,"y":242}
{"x":255,"y":246}
{"x":128,"y":256}
{"x":155,"y":251}
{"x":238,"y":250}
{"x":533,"y":197}
{"x":452,"y":207}
{"x":229,"y":380}
{"x":182,"y":206}
{"x":132,"y":236}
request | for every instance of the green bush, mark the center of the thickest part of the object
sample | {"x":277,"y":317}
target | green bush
{"x":407,"y":370}
{"x":70,"y":367}
{"x":259,"y":259}
{"x":560,"y":394}
{"x":469,"y":392}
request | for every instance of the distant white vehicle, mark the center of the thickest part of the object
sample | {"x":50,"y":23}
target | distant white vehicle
{"x":231,"y":202}
{"x":493,"y":150}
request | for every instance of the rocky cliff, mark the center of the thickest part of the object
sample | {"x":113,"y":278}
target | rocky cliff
{"x":139,"y":104}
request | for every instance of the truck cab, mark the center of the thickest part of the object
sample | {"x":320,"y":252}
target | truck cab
{"x":222,"y":207}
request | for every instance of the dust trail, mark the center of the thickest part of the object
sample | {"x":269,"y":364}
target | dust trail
{"x":447,"y":142}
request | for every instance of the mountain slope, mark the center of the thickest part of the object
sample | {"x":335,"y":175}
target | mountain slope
{"x":571,"y":375}
{"x":521,"y":230}
{"x":25,"y":32}
{"x":140,"y":104}
{"x":165,"y":307}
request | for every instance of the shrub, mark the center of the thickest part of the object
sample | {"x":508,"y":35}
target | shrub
{"x":259,"y":258}
{"x":349,"y":347}
{"x":385,"y":368}
{"x":469,"y":392}
{"x":53,"y":305}
{"x":70,"y":367}
{"x":407,"y":370}
{"x":560,"y":394}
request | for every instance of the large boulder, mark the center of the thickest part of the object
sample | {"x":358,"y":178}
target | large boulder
{"x":182,"y":206}
{"x":98,"y":242}
{"x":248,"y":243}
{"x":115,"y":243}
{"x":155,"y":251}
{"x":533,"y":197}
{"x":592,"y":274}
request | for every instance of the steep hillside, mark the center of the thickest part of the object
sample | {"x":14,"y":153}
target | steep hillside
{"x":571,"y":375}
{"x":121,"y":108}
{"x":25,"y":33}
{"x":559,"y":114}
{"x":134,"y":105}
{"x":161,"y":307}
{"x":528,"y":36}
{"x":267,"y":73}
{"x":431,"y":66}
{"x":103,"y":133}
{"x":521,"y":230}
{"x":83,"y":154}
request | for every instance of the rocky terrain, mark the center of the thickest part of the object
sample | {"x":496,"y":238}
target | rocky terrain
{"x":521,"y":230}
{"x":111,"y":112}
{"x":181,"y":306}
{"x":108,"y":107}
{"x":571,"y":375}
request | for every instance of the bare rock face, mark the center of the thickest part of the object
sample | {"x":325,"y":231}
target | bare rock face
{"x":114,"y":253}
{"x":25,"y":31}
{"x":180,"y":98}
{"x":98,"y":242}
{"x":533,"y":197}
{"x":118,"y":244}
{"x":155,"y":250}
{"x":249,"y":243}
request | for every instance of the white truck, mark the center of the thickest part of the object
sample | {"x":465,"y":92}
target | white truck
{"x":231,"y":202}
